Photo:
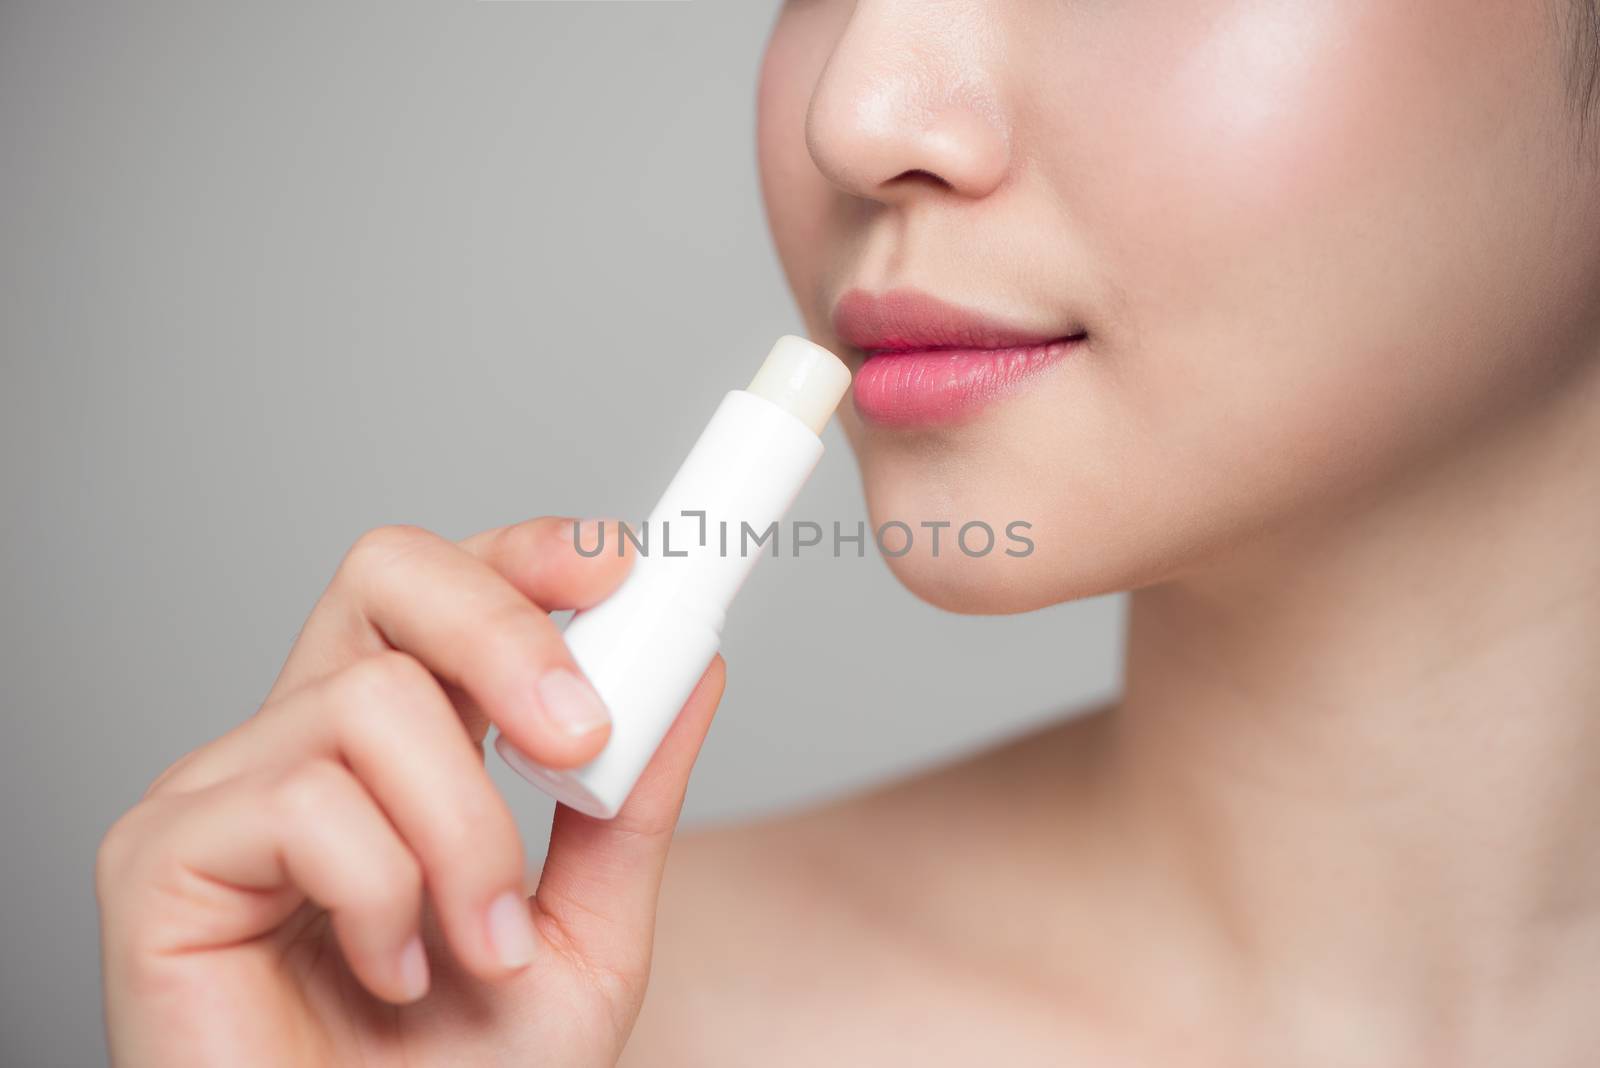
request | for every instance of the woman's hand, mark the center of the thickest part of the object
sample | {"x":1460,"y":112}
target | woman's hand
{"x":263,"y":904}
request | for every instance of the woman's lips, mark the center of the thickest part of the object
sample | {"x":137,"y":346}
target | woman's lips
{"x":926,"y":362}
{"x":934,"y":386}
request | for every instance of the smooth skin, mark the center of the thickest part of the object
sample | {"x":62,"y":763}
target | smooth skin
{"x":1335,"y":424}
{"x":264,"y":903}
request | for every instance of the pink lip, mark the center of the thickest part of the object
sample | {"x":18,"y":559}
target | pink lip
{"x":926,"y":362}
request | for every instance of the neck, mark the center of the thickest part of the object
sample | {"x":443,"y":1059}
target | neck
{"x":1374,"y":749}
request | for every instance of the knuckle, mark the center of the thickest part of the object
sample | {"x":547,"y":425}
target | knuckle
{"x":391,"y":539}
{"x":377,"y":552}
{"x":468,"y":838}
{"x":381,"y":692}
{"x":171,"y":775}
{"x":308,"y":791}
{"x":478,"y":819}
{"x":465,"y":817}
{"x":393,"y":887}
{"x":385,"y":681}
{"x":509,"y":635}
{"x":118,"y":849}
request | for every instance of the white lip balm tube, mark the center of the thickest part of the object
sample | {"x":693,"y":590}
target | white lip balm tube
{"x":645,"y":647}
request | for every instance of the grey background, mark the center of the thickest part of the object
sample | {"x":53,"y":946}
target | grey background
{"x":272,"y":274}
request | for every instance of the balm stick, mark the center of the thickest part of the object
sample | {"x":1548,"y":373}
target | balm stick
{"x":645,"y":647}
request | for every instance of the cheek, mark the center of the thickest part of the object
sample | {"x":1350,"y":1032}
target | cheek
{"x":1328,"y":225}
{"x":1325,"y":244}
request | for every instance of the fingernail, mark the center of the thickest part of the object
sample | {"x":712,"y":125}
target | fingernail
{"x":414,"y":969}
{"x":511,"y":930}
{"x":571,"y":703}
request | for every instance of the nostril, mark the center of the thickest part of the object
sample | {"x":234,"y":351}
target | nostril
{"x":918,"y":174}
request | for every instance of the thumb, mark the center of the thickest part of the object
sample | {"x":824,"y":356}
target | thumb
{"x":601,"y":877}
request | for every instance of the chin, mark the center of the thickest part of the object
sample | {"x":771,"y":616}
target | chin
{"x":1020,"y":551}
{"x":973,"y":587}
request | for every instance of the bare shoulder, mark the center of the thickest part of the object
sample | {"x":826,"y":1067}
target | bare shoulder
{"x":791,"y":937}
{"x":752,"y":918}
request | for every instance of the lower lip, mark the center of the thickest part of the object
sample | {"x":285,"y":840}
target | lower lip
{"x":930,"y":387}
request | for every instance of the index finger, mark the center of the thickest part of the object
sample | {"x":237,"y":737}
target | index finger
{"x":478,"y":633}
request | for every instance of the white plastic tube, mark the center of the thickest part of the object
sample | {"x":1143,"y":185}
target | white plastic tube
{"x":645,"y":647}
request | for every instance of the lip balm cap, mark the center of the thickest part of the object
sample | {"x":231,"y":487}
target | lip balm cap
{"x":804,"y":379}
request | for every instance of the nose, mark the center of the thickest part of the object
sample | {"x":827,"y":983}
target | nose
{"x":906,"y":107}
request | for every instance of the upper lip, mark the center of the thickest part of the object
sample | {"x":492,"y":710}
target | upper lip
{"x":909,"y":320}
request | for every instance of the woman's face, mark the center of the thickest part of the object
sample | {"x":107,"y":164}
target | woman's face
{"x":1264,"y":259}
